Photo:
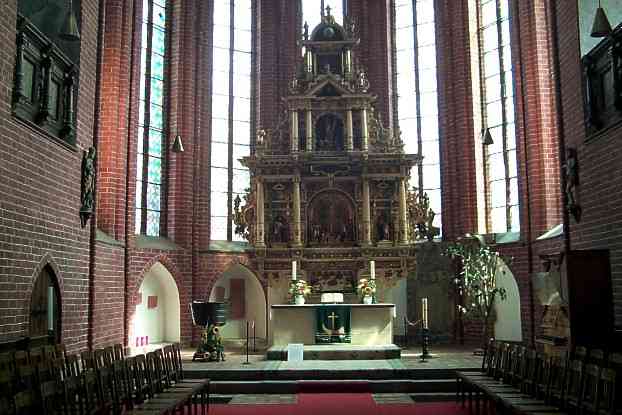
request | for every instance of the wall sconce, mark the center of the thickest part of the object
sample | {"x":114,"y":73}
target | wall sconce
{"x":178,"y":146}
{"x":69,"y":30}
{"x":487,"y":137}
{"x":601,"y":26}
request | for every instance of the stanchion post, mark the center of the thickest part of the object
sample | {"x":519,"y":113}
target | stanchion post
{"x":247,"y":344}
{"x":254,"y":336}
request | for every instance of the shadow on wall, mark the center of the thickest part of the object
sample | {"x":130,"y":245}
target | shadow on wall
{"x":157,"y":315}
{"x":242,"y":290}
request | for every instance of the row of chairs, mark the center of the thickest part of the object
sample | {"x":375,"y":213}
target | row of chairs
{"x":103,"y":382}
{"x":518,"y":380}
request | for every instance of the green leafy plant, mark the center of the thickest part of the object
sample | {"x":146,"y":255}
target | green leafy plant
{"x":366,"y":287}
{"x":477,"y":280}
{"x":299,"y":287}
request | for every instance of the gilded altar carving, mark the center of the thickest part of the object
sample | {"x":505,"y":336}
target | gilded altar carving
{"x":420,"y":216}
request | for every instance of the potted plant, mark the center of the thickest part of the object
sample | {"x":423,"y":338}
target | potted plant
{"x":298,"y":290}
{"x":476,"y":282}
{"x":367,"y":290}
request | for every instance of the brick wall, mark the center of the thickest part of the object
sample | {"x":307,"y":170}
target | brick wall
{"x":40,"y":188}
{"x":599,"y":158}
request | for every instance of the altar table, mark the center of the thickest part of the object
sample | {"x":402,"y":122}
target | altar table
{"x":370,"y":324}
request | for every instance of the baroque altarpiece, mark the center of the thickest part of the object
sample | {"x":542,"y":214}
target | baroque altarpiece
{"x":329,"y":181}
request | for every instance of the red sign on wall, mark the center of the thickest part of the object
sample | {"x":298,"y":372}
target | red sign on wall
{"x":152,"y":301}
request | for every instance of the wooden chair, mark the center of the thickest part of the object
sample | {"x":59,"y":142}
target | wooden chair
{"x":21,"y":358}
{"x":123,"y":393}
{"x":179,"y":379}
{"x":543,"y":376}
{"x":529,"y":373}
{"x":6,"y":392}
{"x":105,"y":390}
{"x":589,"y":391}
{"x":574,"y":382}
{"x":90,"y":393}
{"x":596,"y":357}
{"x":74,"y":395}
{"x":109,"y":355}
{"x":36,"y":355}
{"x":60,"y":351}
{"x":52,"y":399}
{"x":608,"y":403}
{"x":557,"y":384}
{"x":49,"y":352}
{"x":25,"y":403}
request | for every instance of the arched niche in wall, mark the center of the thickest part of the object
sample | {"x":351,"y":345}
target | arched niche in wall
{"x":241,"y":289}
{"x":508,"y":325}
{"x":157,"y":315}
{"x":45,"y":305}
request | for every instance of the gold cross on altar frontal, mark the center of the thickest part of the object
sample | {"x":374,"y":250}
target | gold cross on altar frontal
{"x":333,"y":317}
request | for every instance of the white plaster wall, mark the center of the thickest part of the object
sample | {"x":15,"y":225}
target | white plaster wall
{"x":255,"y":303}
{"x":508,"y":325}
{"x":161,"y":324}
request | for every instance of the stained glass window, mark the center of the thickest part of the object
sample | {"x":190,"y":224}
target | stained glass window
{"x":231,"y":110}
{"x":151,"y":119}
{"x":311,"y":11}
{"x":417,"y":101}
{"x":497,"y":83}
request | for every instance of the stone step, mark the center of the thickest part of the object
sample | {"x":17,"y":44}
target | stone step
{"x":410,"y":386}
{"x":339,"y":352}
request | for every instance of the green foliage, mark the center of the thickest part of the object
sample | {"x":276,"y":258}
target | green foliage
{"x":477,"y":281}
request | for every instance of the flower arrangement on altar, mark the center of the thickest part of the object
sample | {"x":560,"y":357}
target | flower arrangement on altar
{"x":367,"y":288}
{"x":299,"y":288}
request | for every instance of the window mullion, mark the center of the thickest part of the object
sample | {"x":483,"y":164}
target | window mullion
{"x":147,"y":120}
{"x":230,"y":115}
{"x":417,"y":94}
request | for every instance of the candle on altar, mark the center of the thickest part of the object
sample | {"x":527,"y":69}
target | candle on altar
{"x":424,"y":306}
{"x":293,"y":270}
{"x":372,"y":270}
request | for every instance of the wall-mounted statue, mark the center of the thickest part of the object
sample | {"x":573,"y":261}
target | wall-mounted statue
{"x":280,"y":230}
{"x":87,"y":194}
{"x":572,"y":181}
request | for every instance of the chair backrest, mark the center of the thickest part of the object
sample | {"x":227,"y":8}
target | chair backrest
{"x":177,"y":360}
{"x":60,"y":350}
{"x":607,"y":400}
{"x":87,"y":359}
{"x":90,"y":391}
{"x":529,"y":370}
{"x":123,"y":386}
{"x":580,"y":353}
{"x":557,"y":382}
{"x":614,"y":361}
{"x":119,"y":354}
{"x":139,"y":374}
{"x":21,"y":358}
{"x":52,"y":399}
{"x":488,"y":355}
{"x":72,"y":365}
{"x":49,"y":352}
{"x":162,"y":372}
{"x":6,"y":391}
{"x":108,"y":355}
{"x":596,"y":357}
{"x":36,"y":355}
{"x":105,"y":388}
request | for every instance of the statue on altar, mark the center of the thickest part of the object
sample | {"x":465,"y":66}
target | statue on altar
{"x":329,"y":133}
{"x":280,"y":230}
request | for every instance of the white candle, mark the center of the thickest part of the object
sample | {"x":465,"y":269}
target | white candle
{"x":424,"y":304}
{"x":293,"y":270}
{"x":50,"y":308}
{"x":372,"y":269}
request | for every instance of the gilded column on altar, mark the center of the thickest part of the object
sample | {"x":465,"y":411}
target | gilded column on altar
{"x":294,"y":130}
{"x":309,"y":129}
{"x":366,"y":214}
{"x":260,"y":213}
{"x":364,"y":130}
{"x":296,"y":200}
{"x":402,"y":211}
{"x":349,"y":131}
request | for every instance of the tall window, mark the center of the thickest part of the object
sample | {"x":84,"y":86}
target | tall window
{"x":497,"y":83}
{"x":311,"y":11}
{"x":417,"y":103}
{"x":231,"y":109}
{"x":151,"y":119}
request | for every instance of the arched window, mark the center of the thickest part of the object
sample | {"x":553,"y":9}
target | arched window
{"x":497,"y":98}
{"x":231,"y":110}
{"x":311,"y":11}
{"x":417,"y":101}
{"x":151,"y":123}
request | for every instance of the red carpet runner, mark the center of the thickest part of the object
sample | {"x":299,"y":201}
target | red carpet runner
{"x":340,"y":404}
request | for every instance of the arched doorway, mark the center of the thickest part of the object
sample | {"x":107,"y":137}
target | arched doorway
{"x":508,"y":325}
{"x":157,"y":315}
{"x":45,"y":306}
{"x":239,"y":287}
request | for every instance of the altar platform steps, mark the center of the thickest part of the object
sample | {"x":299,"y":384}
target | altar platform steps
{"x":339,"y":352}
